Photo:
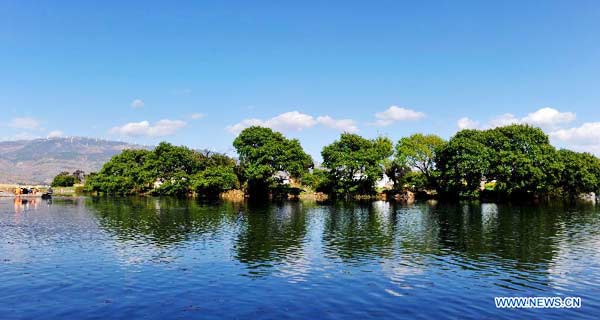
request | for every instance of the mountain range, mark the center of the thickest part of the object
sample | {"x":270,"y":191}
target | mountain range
{"x":38,"y":161}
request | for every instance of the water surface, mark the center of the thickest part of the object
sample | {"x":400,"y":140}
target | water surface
{"x":98,"y":258}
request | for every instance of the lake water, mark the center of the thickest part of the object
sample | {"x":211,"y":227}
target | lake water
{"x":156,"y":258}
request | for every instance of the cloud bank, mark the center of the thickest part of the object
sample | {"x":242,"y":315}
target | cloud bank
{"x":546,"y":118}
{"x":296,"y":121}
{"x":161,"y":128}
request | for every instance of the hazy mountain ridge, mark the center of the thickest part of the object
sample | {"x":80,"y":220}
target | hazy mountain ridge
{"x":38,"y":161}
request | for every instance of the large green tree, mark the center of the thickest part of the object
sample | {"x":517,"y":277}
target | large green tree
{"x":462,"y":163}
{"x":263,"y":153}
{"x":524,"y":162}
{"x":518,"y":157}
{"x":355,"y":163}
{"x":168,"y":160}
{"x":124,"y":173}
{"x":418,"y":152}
{"x":581,"y":173}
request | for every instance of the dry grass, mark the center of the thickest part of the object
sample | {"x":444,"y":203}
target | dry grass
{"x":59,"y":191}
{"x":233,"y":195}
{"x":317,"y":196}
{"x":11,"y":187}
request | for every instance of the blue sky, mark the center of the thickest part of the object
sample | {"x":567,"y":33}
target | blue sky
{"x":195,"y":72}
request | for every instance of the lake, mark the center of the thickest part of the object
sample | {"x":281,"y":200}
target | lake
{"x":163,"y":258}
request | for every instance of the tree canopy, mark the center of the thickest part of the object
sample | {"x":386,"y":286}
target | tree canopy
{"x":355,"y":163}
{"x":263,"y":153}
{"x":518,"y":158}
{"x":581,"y":173}
{"x":462,"y":163}
{"x":214,"y":180}
{"x":166,"y":170}
{"x":418,"y":152}
{"x":64,"y":179}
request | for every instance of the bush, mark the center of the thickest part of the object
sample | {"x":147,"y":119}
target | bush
{"x":416,"y":180}
{"x":317,"y":180}
{"x":64,"y":179}
{"x":212,"y":181}
{"x":178,"y":185}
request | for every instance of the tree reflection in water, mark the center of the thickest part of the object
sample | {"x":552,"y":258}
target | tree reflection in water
{"x":270,"y":234}
{"x":266,"y":236}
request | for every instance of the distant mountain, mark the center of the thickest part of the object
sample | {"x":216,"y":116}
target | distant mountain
{"x":38,"y":161}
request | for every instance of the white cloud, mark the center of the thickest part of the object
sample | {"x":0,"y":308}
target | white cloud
{"x":586,"y":134}
{"x":583,"y":138}
{"x":288,"y":121}
{"x":394,"y":114}
{"x":295,"y":121}
{"x":196,"y":116}
{"x":246,"y":123}
{"x":503,"y":120}
{"x":55,"y":134}
{"x":466,"y":123}
{"x":345,"y":125}
{"x":548,"y":117}
{"x":161,"y":128}
{"x":24,"y":123}
{"x":137,"y":103}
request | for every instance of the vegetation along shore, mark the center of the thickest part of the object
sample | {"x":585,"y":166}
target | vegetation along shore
{"x":509,"y":162}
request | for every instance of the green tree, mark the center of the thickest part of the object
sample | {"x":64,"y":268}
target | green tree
{"x":518,"y":157}
{"x":418,"y":152}
{"x":581,"y":173}
{"x":416,"y":180}
{"x":115,"y":185}
{"x":462,"y":163}
{"x":524,"y":162}
{"x":166,"y":170}
{"x":355,"y":163}
{"x":214,"y":180}
{"x":317,"y":180}
{"x":124,"y":173}
{"x":64,"y":179}
{"x":396,"y":172}
{"x":264,"y":152}
{"x":167,"y":161}
{"x":178,"y":184}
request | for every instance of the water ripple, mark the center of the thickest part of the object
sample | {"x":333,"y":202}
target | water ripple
{"x":168,"y":258}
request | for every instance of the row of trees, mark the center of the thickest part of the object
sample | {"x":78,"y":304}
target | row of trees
{"x":515,"y":160}
{"x":166,"y":170}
